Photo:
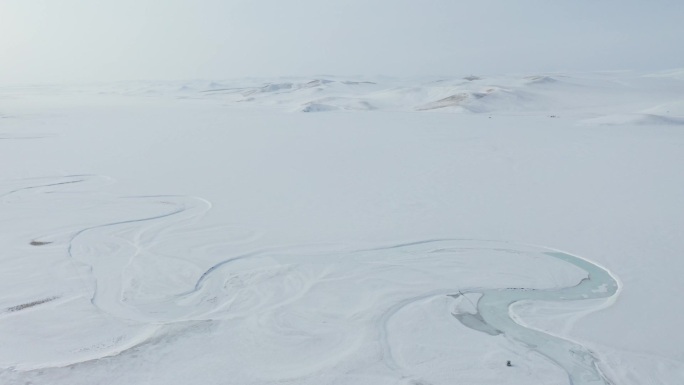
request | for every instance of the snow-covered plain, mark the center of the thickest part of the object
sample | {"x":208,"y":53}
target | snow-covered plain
{"x":344,"y":231}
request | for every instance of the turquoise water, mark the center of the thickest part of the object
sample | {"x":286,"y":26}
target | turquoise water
{"x":494,"y":318}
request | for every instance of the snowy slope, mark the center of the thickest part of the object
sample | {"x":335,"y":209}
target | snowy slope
{"x":220,"y":232}
{"x":596,"y":97}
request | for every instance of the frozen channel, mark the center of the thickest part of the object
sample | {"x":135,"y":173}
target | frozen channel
{"x":494,"y":318}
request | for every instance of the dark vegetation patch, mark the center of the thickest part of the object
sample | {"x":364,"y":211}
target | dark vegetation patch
{"x":30,"y":304}
{"x":39,"y":243}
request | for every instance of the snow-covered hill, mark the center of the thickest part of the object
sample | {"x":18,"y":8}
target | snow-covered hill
{"x":598,"y":97}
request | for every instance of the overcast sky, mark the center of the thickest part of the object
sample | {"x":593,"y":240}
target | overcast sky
{"x":92,"y":40}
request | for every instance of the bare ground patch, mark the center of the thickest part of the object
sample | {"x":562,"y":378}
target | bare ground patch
{"x":39,"y":243}
{"x":30,"y":304}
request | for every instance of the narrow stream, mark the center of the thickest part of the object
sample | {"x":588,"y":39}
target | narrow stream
{"x":494,"y":318}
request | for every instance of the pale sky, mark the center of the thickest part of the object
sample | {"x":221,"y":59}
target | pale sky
{"x":100,"y":40}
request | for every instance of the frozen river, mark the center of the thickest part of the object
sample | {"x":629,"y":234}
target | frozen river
{"x":494,"y":317}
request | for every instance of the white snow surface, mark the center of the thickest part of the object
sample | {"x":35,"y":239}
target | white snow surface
{"x":329,"y":230}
